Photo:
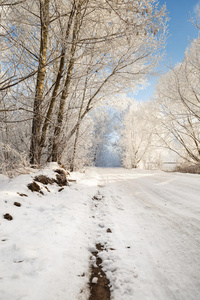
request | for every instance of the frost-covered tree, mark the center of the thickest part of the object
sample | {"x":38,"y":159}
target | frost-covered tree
{"x":106,"y":148}
{"x":178,"y":102}
{"x":122,"y":41}
{"x":136,"y":135}
{"x":62,"y":57}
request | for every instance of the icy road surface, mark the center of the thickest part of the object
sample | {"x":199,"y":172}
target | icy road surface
{"x":148,"y":221}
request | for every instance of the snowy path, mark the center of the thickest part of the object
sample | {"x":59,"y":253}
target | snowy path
{"x":149,"y":223}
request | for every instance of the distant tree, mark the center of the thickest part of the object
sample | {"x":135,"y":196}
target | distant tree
{"x":106,"y":148}
{"x":136,"y":135}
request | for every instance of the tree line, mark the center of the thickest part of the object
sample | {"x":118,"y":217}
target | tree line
{"x":167,"y":128}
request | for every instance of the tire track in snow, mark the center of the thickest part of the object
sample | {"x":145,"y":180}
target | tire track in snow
{"x":163,"y":257}
{"x":99,"y":284}
{"x":120,"y":274}
{"x":148,"y":196}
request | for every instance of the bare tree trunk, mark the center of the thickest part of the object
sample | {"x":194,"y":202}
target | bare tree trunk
{"x":37,"y":117}
{"x":65,"y":93}
{"x":72,"y":165}
{"x":57,"y":84}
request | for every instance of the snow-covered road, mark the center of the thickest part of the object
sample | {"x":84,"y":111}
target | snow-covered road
{"x":155,"y":223}
{"x":148,"y":222}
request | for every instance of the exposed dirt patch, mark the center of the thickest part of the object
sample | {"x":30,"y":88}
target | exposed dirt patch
{"x":17,"y":204}
{"x":47,"y":188}
{"x":99,"y":284}
{"x":44,"y":179}
{"x":82,"y":275}
{"x":8,"y":217}
{"x":34,"y":187}
{"x":22,"y":195}
{"x":98,"y":197}
{"x":61,"y":179}
{"x":60,"y":171}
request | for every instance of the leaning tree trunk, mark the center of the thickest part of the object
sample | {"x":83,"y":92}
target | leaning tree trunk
{"x":37,"y":110}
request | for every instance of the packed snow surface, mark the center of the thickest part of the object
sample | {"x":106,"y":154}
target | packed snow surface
{"x":148,"y":222}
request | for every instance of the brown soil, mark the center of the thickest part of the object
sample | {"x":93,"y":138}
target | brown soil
{"x":98,"y":197}
{"x":8,"y":217}
{"x":17,"y":204}
{"x":22,"y":195}
{"x":61,"y":179}
{"x":34,"y":187}
{"x":44,"y":179}
{"x":60,"y":171}
{"x":101,"y":289}
{"x":47,"y":188}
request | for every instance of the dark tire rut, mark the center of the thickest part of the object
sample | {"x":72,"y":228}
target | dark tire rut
{"x":99,"y":284}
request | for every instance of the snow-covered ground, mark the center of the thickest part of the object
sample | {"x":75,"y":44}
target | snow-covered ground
{"x":149,"y":222}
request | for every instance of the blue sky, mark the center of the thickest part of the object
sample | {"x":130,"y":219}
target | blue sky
{"x":181,"y":33}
